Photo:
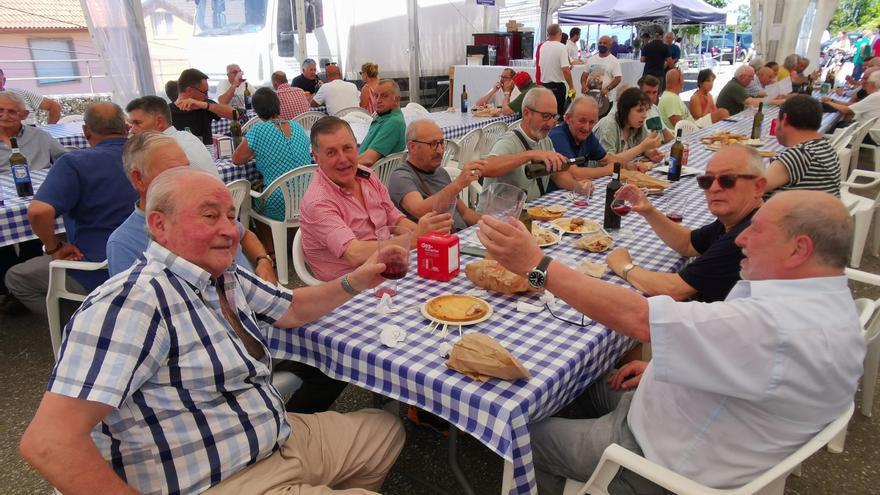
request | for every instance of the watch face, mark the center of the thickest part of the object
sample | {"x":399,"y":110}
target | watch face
{"x":536,"y":279}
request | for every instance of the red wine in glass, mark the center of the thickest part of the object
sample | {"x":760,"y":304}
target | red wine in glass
{"x":395,"y":270}
{"x":381,"y":291}
{"x":580,"y":202}
{"x":622,"y":209}
{"x":675,"y":217}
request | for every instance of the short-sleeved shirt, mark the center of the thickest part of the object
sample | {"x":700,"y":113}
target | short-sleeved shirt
{"x":516,"y":103}
{"x":40,"y":149}
{"x":812,"y":165}
{"x":554,"y":57}
{"x":733,"y":97}
{"x":564,"y":144}
{"x":859,"y":50}
{"x":237,"y":100}
{"x":670,"y":104}
{"x":195,"y":151}
{"x":716,"y":270}
{"x":305,"y":84}
{"x":509,"y":144}
{"x":656,"y":52}
{"x":277,"y":154}
{"x":611,"y":135}
{"x":609,"y":67}
{"x":89,"y":188}
{"x":498,"y":98}
{"x":331,"y":217}
{"x":198,"y":121}
{"x":386,"y":134}
{"x":674,"y":51}
{"x":868,"y":108}
{"x":337,"y":95}
{"x":293,"y":101}
{"x":407,"y":179}
{"x":189,"y":405}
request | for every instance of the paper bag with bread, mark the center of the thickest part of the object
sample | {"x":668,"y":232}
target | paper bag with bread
{"x":481,"y":357}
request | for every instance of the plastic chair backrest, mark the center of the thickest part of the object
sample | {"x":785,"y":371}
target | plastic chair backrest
{"x":467,"y":146}
{"x":514,"y":124}
{"x":349,"y":110}
{"x":840,"y":140}
{"x":857,"y":138}
{"x":293,"y":186}
{"x":686,"y":126}
{"x":385,"y":166}
{"x":240,"y":190}
{"x":491,"y":133}
{"x":416,"y":108}
{"x":308,"y":119}
{"x":250,"y":123}
{"x":300,"y":265}
{"x":450,"y":153}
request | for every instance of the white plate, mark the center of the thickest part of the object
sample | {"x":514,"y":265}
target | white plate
{"x":424,"y":309}
{"x":565,"y":220}
{"x":663,"y":169}
{"x":555,"y":240}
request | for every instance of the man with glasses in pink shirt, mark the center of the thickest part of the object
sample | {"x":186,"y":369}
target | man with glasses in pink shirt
{"x":346,"y":203}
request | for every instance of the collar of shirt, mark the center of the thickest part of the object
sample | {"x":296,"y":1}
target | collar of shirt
{"x":788,"y":288}
{"x":189,"y":272}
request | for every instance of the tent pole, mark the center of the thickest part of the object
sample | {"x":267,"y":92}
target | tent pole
{"x":414,"y":51}
{"x":700,"y":49}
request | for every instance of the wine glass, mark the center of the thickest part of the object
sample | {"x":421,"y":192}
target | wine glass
{"x":581,"y":193}
{"x":676,"y":208}
{"x":622,"y":207}
{"x":445,"y":205}
{"x":504,"y":201}
{"x":393,"y":250}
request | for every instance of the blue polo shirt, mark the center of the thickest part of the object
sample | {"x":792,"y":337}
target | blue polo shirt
{"x":88,"y":187}
{"x":564,"y":144}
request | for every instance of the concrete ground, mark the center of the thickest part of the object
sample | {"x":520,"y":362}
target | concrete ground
{"x":26,"y":362}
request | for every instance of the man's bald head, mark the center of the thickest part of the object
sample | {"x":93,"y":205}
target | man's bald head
{"x":332,"y":72}
{"x":821,"y":217}
{"x":766,"y":76}
{"x":674,"y":80}
{"x":104,"y":119}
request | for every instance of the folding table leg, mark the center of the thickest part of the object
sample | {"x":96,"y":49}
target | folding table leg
{"x":507,"y":478}
{"x":452,"y":442}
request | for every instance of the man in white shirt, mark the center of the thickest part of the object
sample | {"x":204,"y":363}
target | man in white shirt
{"x":555,"y":67}
{"x":336,"y":93}
{"x":574,"y":53}
{"x":605,"y":66}
{"x":230,"y":91}
{"x":734,"y":387}
{"x":151,"y":113}
{"x":502,"y":92}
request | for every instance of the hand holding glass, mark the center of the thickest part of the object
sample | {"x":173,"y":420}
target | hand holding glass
{"x":504,"y":201}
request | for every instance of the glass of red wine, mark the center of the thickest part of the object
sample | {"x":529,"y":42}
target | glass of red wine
{"x":393,"y":250}
{"x":581,"y":193}
{"x":622,"y":207}
{"x":676,"y":208}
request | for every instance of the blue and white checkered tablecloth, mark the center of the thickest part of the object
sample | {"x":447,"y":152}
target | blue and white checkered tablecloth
{"x":562,"y":358}
{"x":14,"y":224}
{"x":69,"y":134}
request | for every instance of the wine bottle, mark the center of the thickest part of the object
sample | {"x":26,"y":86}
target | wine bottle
{"x":464,"y":98}
{"x":248,"y":103}
{"x":21,"y":174}
{"x":235,"y":128}
{"x":612,"y":220}
{"x":758,"y":120}
{"x":534,"y":170}
{"x":676,"y":158}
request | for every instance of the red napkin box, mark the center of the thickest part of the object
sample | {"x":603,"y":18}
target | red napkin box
{"x":438,"y":256}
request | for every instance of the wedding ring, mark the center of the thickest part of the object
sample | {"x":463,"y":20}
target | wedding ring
{"x":473,"y":172}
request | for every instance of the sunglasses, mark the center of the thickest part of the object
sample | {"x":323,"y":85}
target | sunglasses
{"x":545,"y":116}
{"x":726,"y":181}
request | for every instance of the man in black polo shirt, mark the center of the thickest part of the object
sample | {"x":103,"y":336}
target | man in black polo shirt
{"x":308,"y":81}
{"x":193,"y":109}
{"x":733,"y":196}
{"x":655,"y":56}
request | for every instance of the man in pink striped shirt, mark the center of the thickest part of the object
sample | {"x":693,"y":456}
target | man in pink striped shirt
{"x":345,"y":205}
{"x":293,"y":100}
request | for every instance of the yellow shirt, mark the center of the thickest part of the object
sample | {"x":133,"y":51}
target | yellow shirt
{"x":783,"y":74}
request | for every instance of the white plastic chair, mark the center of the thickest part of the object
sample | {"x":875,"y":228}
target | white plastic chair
{"x":839,"y":136}
{"x":858,"y":138}
{"x":450,"y":154}
{"x":293,"y":186}
{"x":687,"y":127}
{"x":875,"y":135}
{"x":250,"y":123}
{"x":514,"y":124}
{"x":240,"y":190}
{"x":58,"y":290}
{"x":300,"y":265}
{"x":771,"y":482}
{"x":862,"y":210}
{"x":468,"y":146}
{"x":869,"y":315}
{"x":308,"y":119}
{"x":491,"y":133}
{"x":354,"y":114}
{"x":385,"y":166}
{"x":71,"y":118}
{"x":414,"y":107}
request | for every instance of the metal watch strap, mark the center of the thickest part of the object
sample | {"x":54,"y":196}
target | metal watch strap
{"x":626,"y":269}
{"x":266,"y":257}
{"x":347,"y":287}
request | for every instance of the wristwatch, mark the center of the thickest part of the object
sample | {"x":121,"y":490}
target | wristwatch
{"x":53,"y":250}
{"x":266,"y":257}
{"x":626,"y":269}
{"x":537,"y":277}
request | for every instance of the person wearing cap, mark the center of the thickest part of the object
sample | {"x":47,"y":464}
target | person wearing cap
{"x":523,"y":82}
{"x":502,"y":92}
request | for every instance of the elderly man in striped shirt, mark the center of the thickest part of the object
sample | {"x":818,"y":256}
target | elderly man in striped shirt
{"x":163,"y":380}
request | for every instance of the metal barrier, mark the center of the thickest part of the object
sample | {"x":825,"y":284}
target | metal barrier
{"x":88,"y":61}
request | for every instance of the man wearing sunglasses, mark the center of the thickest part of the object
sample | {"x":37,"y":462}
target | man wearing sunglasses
{"x":733,"y":186}
{"x":526,"y":142}
{"x":193,"y":109}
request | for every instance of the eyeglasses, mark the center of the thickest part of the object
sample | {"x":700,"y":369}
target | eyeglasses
{"x":726,"y":181}
{"x":199,"y":90}
{"x":545,"y":116}
{"x":436,"y":145}
{"x":11,"y":113}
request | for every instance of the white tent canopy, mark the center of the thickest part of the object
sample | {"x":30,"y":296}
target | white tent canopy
{"x":783,"y":27}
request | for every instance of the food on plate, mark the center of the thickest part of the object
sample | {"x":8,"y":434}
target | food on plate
{"x":458,"y":308}
{"x":767,"y":153}
{"x":592,"y":269}
{"x":595,"y":243}
{"x":723,"y":138}
{"x":490,"y":275}
{"x":643,"y":181}
{"x":551,"y":212}
{"x":544,"y":237}
{"x":576,"y":225}
{"x":486,"y":112}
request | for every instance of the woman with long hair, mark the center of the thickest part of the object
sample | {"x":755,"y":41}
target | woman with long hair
{"x":625,"y":129}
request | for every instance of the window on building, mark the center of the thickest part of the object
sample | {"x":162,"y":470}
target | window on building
{"x":163,"y":25}
{"x":53,"y":60}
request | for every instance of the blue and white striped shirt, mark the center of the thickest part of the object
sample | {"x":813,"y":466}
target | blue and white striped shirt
{"x":191,"y":406}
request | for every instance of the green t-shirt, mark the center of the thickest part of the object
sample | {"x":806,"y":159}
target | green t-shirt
{"x":732,"y":97}
{"x":670,"y":104}
{"x":387,"y":134}
{"x":859,"y":50}
{"x":516,"y":104}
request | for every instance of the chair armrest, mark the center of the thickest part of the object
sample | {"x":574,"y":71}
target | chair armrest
{"x":86,"y":266}
{"x":864,"y":174}
{"x":616,"y":457}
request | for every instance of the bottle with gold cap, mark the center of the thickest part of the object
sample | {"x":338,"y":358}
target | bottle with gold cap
{"x":21,"y":173}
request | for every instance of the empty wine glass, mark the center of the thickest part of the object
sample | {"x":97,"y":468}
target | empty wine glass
{"x":504,"y":201}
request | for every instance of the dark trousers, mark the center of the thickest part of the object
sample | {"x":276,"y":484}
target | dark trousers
{"x":9,"y":258}
{"x":559,"y":92}
{"x":318,"y":391}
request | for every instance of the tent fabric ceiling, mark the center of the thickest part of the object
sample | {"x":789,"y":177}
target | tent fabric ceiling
{"x":631,"y":11}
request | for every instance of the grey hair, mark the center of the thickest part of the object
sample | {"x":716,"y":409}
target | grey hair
{"x":874,"y":78}
{"x":581,"y":100}
{"x":14,"y":98}
{"x":102,"y":122}
{"x":756,"y":63}
{"x":162,"y":193}
{"x":414,"y":126}
{"x":137,"y":150}
{"x":309,"y":61}
{"x":741,"y":70}
{"x":230,"y":66}
{"x":393,"y":85}
{"x":534,"y":94}
{"x":790,"y":61}
{"x":832,"y":235}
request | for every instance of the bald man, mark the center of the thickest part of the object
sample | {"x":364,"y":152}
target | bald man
{"x":336,"y":93}
{"x":734,"y":97}
{"x":673,"y":110}
{"x":767,"y":79}
{"x":230,"y":91}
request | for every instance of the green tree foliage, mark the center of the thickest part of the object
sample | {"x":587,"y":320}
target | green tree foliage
{"x":855,"y":15}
